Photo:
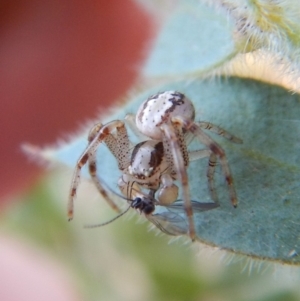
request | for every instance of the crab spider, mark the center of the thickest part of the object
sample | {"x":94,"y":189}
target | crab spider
{"x":166,"y":118}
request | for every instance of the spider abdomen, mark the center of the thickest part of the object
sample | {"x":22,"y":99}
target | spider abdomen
{"x":158,"y":109}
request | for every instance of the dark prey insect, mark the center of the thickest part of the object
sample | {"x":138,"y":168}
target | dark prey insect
{"x":169,"y":218}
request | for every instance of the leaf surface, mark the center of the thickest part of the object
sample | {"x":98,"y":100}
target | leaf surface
{"x":265,"y":167}
{"x":195,"y":39}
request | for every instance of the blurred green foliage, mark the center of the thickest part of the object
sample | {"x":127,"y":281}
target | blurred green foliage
{"x":110,"y":262}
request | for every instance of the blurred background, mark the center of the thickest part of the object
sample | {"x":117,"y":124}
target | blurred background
{"x":63,"y":62}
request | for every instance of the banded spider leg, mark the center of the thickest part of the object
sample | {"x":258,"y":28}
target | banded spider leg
{"x":101,"y":133}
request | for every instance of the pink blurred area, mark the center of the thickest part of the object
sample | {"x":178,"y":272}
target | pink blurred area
{"x":27,"y":274}
{"x":60,"y":62}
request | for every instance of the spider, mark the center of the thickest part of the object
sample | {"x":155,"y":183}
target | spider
{"x":167,"y":119}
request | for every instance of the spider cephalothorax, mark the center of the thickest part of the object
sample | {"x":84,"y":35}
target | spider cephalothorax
{"x":167,"y":119}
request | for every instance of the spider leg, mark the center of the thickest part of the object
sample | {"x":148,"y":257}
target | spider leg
{"x":120,"y":146}
{"x":111,"y":143}
{"x":93,"y":173}
{"x":212,"y":162}
{"x":215,"y":149}
{"x":76,"y":176}
{"x":210,"y":176}
{"x":177,"y":155}
{"x":96,"y":136}
{"x":199,"y":154}
{"x":219,"y":131}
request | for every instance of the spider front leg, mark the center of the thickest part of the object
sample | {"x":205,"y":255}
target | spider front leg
{"x":119,"y":147}
{"x":177,"y":157}
{"x":93,"y":173}
{"x":92,"y":163}
{"x":97,"y":135}
{"x":75,"y":182}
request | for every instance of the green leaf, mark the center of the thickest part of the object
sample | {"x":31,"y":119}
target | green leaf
{"x":195,"y":39}
{"x":265,"y":167}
